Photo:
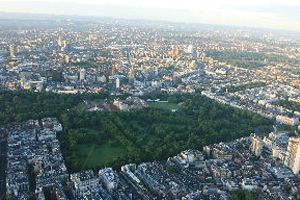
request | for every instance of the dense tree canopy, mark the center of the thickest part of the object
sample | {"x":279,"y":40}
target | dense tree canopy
{"x":146,"y":134}
{"x":20,"y":106}
{"x":248,"y":59}
{"x":291,"y":105}
{"x":241,"y":195}
{"x":156,"y":134}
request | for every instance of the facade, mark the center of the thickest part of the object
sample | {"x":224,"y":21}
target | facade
{"x":117,"y":83}
{"x":257,"y":145}
{"x":293,"y":156}
{"x":287,"y":120}
{"x":82,"y":74}
{"x":109,"y":178}
{"x":84,"y":182}
{"x":11,"y":52}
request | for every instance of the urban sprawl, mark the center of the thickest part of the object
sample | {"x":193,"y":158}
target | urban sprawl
{"x":252,"y":70}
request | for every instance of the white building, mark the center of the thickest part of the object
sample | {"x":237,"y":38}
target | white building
{"x":117,"y":83}
{"x":287,"y":120}
{"x":82,"y":74}
{"x":121,"y":105}
{"x":84,"y":181}
{"x":190,"y":49}
{"x":248,"y":184}
{"x":109,"y":178}
{"x":293,"y":155}
{"x":279,"y":153}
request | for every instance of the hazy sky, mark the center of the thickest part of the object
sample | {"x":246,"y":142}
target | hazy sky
{"x":282,"y":14}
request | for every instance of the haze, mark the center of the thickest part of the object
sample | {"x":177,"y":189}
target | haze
{"x":276,"y":14}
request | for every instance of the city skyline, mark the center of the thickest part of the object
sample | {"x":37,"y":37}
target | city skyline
{"x":261,"y":14}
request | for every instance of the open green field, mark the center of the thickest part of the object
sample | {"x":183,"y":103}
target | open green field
{"x":164,"y":105}
{"x":97,"y":156}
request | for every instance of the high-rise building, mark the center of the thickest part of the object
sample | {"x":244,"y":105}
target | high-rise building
{"x":113,"y":69}
{"x":257,"y":145}
{"x":117,"y":83}
{"x":131,"y":73}
{"x":66,"y":59}
{"x":64,"y":43}
{"x":156,"y":71}
{"x":82,"y":74}
{"x":293,"y":155}
{"x":59,"y":41}
{"x":11,"y":52}
{"x":190,"y":49}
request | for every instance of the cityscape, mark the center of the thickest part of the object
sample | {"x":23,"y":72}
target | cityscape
{"x":192,"y":174}
{"x":115,"y":108}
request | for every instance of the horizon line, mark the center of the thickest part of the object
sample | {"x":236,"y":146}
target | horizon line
{"x":141,"y":19}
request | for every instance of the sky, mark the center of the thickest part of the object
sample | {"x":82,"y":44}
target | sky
{"x":277,"y":14}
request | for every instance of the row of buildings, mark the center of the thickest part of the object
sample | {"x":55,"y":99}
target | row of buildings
{"x":267,"y":167}
{"x":35,"y":165}
{"x":281,"y":147}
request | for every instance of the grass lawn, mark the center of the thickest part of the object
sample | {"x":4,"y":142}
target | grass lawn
{"x":164,"y":105}
{"x":96,"y":156}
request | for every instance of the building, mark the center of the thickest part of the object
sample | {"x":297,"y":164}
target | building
{"x":121,"y":105}
{"x":67,"y":59}
{"x":249,"y":184}
{"x":117,"y":83}
{"x":11,"y":52}
{"x":59,"y":41}
{"x":293,"y":155}
{"x":84,"y":182}
{"x":287,"y":120}
{"x":190,"y":49}
{"x":109,"y":178}
{"x":257,"y":145}
{"x":82,"y":74}
{"x":279,"y":153}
